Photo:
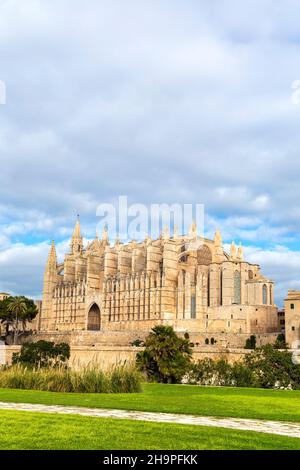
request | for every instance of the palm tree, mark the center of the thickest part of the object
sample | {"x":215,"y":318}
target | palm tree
{"x":17,"y":306}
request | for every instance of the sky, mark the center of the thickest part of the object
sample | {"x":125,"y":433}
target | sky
{"x":164,"y":101}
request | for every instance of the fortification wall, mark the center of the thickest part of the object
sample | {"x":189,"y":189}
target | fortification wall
{"x":106,"y":356}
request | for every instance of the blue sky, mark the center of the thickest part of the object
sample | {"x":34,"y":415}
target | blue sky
{"x":162,"y":101}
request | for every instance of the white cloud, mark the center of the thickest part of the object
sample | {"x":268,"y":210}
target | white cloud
{"x":162,"y":101}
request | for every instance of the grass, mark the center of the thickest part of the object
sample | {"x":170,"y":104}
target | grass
{"x":36,"y":431}
{"x":120,"y":378}
{"x":280,"y":405}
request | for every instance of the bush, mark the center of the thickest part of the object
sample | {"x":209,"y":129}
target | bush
{"x":119,"y":379}
{"x":166,"y":356}
{"x":201,"y":372}
{"x":273,"y":368}
{"x":210,"y":372}
{"x":266,"y":367}
{"x":242,"y":376}
{"x":42,"y":354}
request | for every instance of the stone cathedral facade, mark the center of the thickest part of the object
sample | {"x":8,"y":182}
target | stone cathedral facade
{"x":183,"y":281}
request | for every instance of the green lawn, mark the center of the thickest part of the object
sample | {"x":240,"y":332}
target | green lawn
{"x":206,"y":401}
{"x":33,"y":431}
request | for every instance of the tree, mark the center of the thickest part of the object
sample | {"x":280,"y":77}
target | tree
{"x":16,"y":310}
{"x":273,"y":368}
{"x":166,"y":356}
{"x":280,"y":342}
{"x":251,"y":342}
{"x":42,"y":354}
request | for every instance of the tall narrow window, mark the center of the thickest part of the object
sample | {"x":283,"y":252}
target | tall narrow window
{"x":221,"y":287}
{"x":161,"y":272}
{"x":237,"y":287}
{"x":183,"y":293}
{"x":193,"y":306}
{"x":208,"y":289}
{"x":265,"y":294}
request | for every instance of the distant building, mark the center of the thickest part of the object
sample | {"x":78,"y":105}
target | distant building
{"x":292,"y":318}
{"x":4,"y":295}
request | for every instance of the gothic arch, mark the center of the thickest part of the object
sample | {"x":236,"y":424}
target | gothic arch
{"x":93,"y":323}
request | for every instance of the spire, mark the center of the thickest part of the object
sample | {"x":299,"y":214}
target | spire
{"x":117,"y":241}
{"x":148,"y":240}
{"x":105,"y":234}
{"x":175,"y":232}
{"x":193,"y":230}
{"x":240,"y":254}
{"x":52,"y":259}
{"x":218,"y":238}
{"x":76,"y":242}
{"x":166,"y":233}
{"x":219,"y":252}
{"x":76,"y":231}
{"x":233,"y":250}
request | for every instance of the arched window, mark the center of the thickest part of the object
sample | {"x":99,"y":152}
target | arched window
{"x":183,"y":258}
{"x":265,"y":294}
{"x":237,"y":287}
{"x":204,"y":255}
{"x":94,"y":318}
{"x":250,"y":275}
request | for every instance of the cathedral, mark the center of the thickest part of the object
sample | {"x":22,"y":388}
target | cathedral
{"x":188,"y":282}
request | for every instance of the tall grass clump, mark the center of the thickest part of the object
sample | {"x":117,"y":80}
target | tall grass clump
{"x":123,"y":378}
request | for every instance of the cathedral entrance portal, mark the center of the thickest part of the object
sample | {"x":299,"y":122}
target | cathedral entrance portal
{"x":94,"y":318}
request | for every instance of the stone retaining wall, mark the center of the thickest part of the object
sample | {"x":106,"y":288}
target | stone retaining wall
{"x":106,"y":356}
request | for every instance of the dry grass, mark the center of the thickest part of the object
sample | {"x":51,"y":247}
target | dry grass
{"x":122,"y":378}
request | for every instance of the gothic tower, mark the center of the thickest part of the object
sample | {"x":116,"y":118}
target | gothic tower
{"x":50,"y":280}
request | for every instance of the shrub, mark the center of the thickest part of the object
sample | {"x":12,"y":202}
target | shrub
{"x":166,"y":356}
{"x":210,"y":372}
{"x":266,"y":367}
{"x":201,"y":372}
{"x":42,"y":354}
{"x":119,"y":379}
{"x":273,"y":368}
{"x":242,"y":376}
